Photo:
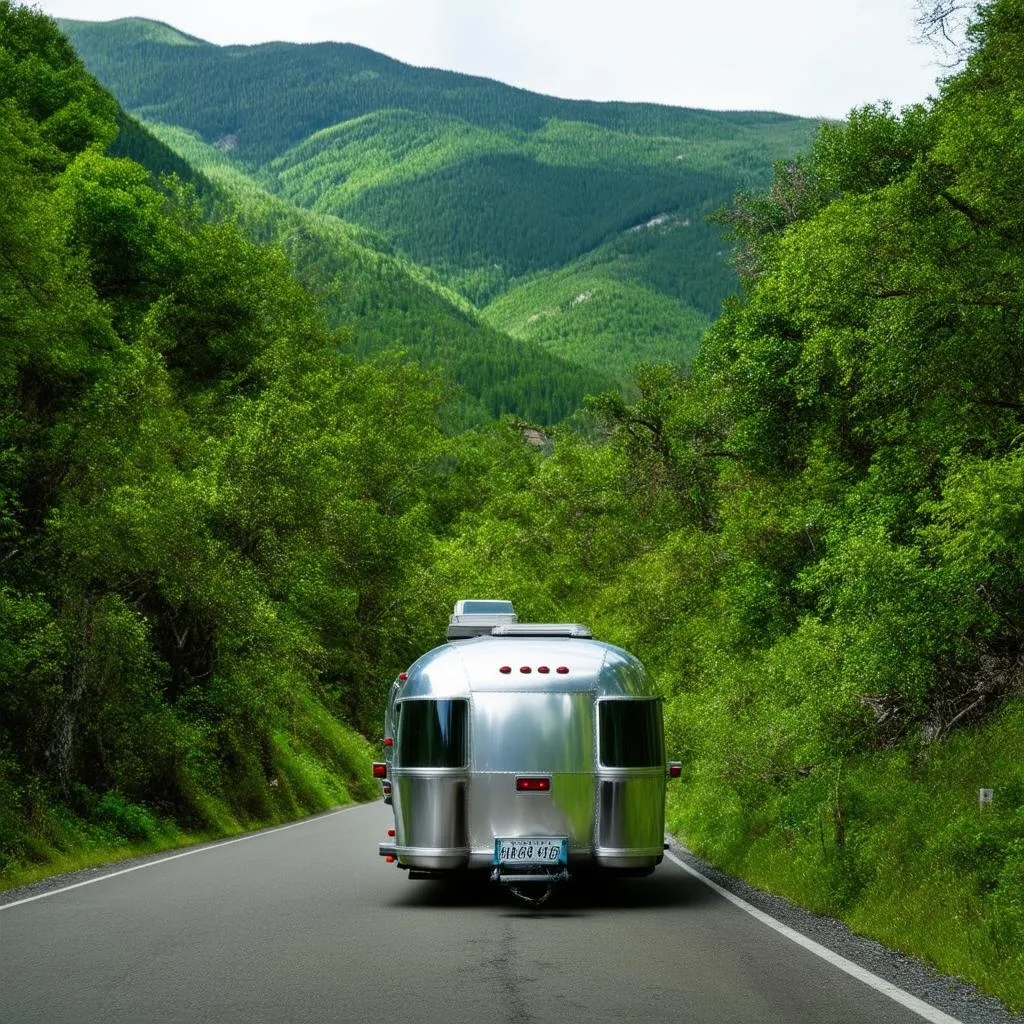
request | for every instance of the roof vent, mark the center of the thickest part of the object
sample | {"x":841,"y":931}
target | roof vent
{"x":478,"y":617}
{"x":573,"y":630}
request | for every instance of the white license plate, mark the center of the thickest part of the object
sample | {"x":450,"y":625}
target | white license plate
{"x":544,"y":850}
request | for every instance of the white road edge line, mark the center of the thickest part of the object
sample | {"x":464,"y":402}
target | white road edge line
{"x":177,"y":856}
{"x":918,"y":1006}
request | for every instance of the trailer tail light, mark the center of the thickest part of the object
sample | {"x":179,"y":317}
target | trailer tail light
{"x":675,"y":769}
{"x":380,"y":769}
{"x":389,"y":859}
{"x":386,"y":787}
{"x":533,"y":784}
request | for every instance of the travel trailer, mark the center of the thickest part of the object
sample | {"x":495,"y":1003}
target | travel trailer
{"x":528,"y":750}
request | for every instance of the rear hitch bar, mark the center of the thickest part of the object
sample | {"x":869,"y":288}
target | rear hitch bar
{"x":540,"y":877}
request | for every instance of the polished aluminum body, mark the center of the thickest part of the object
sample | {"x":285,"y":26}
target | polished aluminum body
{"x":580,"y":713}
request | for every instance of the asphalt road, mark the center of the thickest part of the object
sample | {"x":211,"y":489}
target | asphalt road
{"x":307,"y":924}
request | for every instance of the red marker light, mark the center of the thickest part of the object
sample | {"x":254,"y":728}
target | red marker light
{"x":380,"y":769}
{"x":391,"y":833}
{"x":544,"y":670}
{"x":538,"y":784}
{"x":675,"y":769}
{"x":388,"y":741}
{"x":402,"y":676}
{"x":562,"y":670}
{"x":389,"y":859}
{"x":526,"y":670}
{"x":505,"y":669}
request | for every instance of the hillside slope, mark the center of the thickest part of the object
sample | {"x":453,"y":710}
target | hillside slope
{"x":272,"y":96}
{"x":485,"y":183}
{"x":386,"y":302}
{"x":626,"y":302}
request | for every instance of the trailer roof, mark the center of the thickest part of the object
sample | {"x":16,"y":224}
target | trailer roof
{"x":573,"y":630}
{"x":518,"y":662}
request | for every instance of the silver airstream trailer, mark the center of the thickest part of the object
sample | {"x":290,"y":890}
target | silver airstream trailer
{"x":531,"y":751}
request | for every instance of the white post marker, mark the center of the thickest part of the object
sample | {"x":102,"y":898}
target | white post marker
{"x":985,"y":796}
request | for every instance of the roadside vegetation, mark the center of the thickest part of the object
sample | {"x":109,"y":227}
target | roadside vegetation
{"x":221,"y":534}
{"x":179,"y":594}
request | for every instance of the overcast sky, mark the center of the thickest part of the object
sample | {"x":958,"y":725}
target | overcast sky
{"x":812,"y":57}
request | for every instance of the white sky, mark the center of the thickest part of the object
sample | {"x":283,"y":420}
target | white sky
{"x":812,"y":57}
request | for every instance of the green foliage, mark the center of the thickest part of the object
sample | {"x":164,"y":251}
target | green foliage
{"x":601,"y":312}
{"x":512,"y":209}
{"x":205,"y":510}
{"x":895,"y":842}
{"x":249,"y":93}
{"x":136,"y":143}
{"x":130,"y":822}
{"x":872,"y":148}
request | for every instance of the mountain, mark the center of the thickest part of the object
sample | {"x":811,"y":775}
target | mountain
{"x":488,"y":185}
{"x":385,"y":302}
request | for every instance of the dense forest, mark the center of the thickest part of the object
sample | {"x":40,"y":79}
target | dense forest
{"x":222,"y":533}
{"x":579,"y":310}
{"x":486,"y":184}
{"x":206,"y":506}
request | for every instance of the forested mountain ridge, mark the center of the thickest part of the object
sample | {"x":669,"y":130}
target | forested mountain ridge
{"x":386,"y":302}
{"x":485,"y":183}
{"x":340,"y":82}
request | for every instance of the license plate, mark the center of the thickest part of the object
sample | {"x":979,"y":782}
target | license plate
{"x":543,"y":850}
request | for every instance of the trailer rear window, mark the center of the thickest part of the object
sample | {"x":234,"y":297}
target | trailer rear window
{"x":432,"y":734}
{"x":631,"y":733}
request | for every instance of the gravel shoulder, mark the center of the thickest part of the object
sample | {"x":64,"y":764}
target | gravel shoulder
{"x":951,"y":995}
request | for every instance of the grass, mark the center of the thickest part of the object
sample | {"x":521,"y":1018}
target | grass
{"x":59,"y":862}
{"x":315,"y":765}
